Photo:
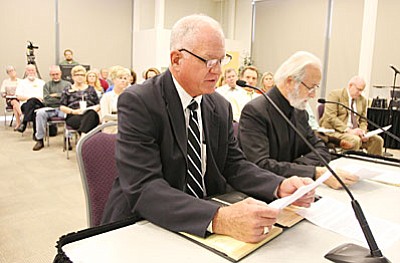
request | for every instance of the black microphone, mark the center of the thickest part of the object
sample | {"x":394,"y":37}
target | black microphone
{"x":395,"y":69}
{"x":323,"y":101}
{"x":346,"y":252}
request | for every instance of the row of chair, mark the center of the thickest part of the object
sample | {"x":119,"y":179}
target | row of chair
{"x":68,"y":132}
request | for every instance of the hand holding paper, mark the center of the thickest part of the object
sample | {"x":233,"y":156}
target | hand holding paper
{"x":377,"y":131}
{"x":287,"y":200}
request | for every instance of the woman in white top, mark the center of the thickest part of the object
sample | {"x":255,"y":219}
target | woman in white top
{"x":8,"y":88}
{"x":108,"y":103}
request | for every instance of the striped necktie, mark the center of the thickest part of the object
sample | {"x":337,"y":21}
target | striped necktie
{"x":194,"y":182}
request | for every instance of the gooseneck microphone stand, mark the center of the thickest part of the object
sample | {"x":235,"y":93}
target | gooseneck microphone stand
{"x":346,"y":253}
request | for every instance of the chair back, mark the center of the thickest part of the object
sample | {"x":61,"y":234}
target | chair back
{"x":96,"y":160}
{"x":320,"y":109}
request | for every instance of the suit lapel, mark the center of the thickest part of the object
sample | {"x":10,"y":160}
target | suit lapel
{"x":175,"y":113}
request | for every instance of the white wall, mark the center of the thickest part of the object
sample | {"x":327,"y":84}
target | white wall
{"x":98,"y":31}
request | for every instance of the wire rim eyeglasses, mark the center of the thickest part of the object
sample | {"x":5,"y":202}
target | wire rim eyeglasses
{"x":310,"y":89}
{"x":210,"y":63}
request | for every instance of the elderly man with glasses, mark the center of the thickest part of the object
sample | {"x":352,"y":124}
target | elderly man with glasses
{"x":51,"y":99}
{"x":269,"y":142}
{"x":175,"y":147}
{"x":347,"y":125}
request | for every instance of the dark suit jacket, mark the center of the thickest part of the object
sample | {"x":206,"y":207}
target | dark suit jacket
{"x":152,"y":163}
{"x":265,"y":137}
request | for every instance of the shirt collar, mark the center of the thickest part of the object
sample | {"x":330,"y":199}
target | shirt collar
{"x":184,"y":96}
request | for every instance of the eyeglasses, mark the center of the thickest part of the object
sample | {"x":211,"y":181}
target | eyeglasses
{"x":210,"y":63}
{"x":310,"y":89}
{"x":80,"y":75}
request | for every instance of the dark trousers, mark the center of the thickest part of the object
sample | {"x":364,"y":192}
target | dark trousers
{"x":84,"y":122}
{"x":28,"y":109}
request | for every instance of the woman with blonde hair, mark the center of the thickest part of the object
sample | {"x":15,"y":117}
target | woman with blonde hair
{"x":267,"y":81}
{"x":92,"y":79}
{"x":8,"y":88}
{"x":80,"y":102}
{"x":108,"y":103}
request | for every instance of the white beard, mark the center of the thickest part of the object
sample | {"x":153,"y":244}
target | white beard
{"x":295,"y":100}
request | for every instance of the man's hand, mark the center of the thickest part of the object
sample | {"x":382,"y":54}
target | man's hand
{"x":290,"y":185}
{"x":356,"y":131}
{"x":245,"y":220}
{"x":364,"y":139}
{"x":347,"y":178}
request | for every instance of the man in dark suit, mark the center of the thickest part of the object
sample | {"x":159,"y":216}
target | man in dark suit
{"x":265,"y":137}
{"x":152,"y":147}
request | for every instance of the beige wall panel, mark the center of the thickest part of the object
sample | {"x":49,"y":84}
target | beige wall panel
{"x":22,"y":20}
{"x":387,"y":47}
{"x":98,"y":31}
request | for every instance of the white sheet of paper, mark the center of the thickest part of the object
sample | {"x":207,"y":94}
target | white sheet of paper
{"x":287,"y":200}
{"x":377,"y":131}
{"x":340,"y":218}
{"x":325,"y":130}
{"x":382,"y":176}
{"x":360,"y":171}
{"x":387,"y":178}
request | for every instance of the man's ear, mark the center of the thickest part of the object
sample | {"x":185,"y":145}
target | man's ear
{"x":176,"y":59}
{"x":289,"y":82}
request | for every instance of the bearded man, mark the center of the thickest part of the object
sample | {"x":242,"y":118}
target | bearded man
{"x":269,"y":142}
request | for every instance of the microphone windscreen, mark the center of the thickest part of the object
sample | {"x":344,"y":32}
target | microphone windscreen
{"x":321,"y":101}
{"x":241,"y":83}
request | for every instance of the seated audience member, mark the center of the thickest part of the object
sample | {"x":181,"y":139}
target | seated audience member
{"x":113,"y":68}
{"x":92,"y":79}
{"x":159,"y":177}
{"x":221,"y":81}
{"x":52,"y":94}
{"x":108,"y":103}
{"x":69,"y":58}
{"x":103,"y":78}
{"x":250,"y":75}
{"x":30,"y":94}
{"x":347,"y":127}
{"x":7,"y":90}
{"x":234,"y":94}
{"x":80,"y":102}
{"x":267,"y":81}
{"x":151,"y":72}
{"x":336,"y":142}
{"x":133,"y":77}
{"x":267,"y":139}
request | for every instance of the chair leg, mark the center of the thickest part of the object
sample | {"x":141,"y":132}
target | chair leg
{"x":47,"y":136}
{"x":12,"y":118}
{"x":67,"y":147}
